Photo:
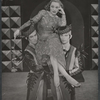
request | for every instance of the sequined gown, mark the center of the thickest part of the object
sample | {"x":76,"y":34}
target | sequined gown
{"x":48,"y":40}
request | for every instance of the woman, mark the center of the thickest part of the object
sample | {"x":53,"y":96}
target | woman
{"x":48,"y":41}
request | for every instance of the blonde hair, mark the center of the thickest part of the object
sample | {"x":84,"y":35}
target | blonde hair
{"x":47,"y":7}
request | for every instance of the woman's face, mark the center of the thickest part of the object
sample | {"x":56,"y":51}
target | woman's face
{"x":33,"y":37}
{"x":54,"y":7}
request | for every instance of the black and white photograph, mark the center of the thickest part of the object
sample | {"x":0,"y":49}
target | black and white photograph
{"x":49,"y":49}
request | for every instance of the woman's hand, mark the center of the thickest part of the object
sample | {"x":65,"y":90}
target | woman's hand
{"x":17,"y":33}
{"x":61,"y":10}
{"x":70,"y":72}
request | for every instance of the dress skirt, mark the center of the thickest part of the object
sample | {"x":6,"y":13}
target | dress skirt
{"x":51,"y":46}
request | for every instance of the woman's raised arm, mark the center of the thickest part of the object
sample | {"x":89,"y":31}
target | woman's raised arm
{"x":62,"y":21}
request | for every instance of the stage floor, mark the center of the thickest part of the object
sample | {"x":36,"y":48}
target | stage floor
{"x":14,"y":86}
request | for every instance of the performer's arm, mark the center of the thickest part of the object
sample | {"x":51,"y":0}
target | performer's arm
{"x":32,"y":21}
{"x":29,"y":61}
{"x":28,"y":23}
{"x":62,"y":20}
{"x":77,"y":65}
{"x":72,"y":62}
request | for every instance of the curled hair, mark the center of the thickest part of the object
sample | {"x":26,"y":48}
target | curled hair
{"x":47,"y":7}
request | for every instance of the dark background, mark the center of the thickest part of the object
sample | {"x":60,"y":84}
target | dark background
{"x":83,"y":6}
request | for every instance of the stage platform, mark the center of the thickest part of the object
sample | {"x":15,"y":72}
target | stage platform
{"x":14,"y":86}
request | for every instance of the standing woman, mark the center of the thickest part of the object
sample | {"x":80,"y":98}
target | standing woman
{"x":48,"y":41}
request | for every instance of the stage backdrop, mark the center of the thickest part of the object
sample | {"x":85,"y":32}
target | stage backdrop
{"x":83,"y":15}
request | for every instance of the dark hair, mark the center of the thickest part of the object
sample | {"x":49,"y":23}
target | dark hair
{"x":64,"y":29}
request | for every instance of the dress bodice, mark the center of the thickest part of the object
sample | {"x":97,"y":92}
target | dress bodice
{"x":46,"y":23}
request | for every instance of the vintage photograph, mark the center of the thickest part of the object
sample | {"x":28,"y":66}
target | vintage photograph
{"x":49,"y":49}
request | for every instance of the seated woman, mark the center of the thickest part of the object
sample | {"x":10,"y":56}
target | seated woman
{"x":48,"y":41}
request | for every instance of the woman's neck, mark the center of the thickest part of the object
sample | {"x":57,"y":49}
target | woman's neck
{"x":51,"y":14}
{"x":66,"y":46}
